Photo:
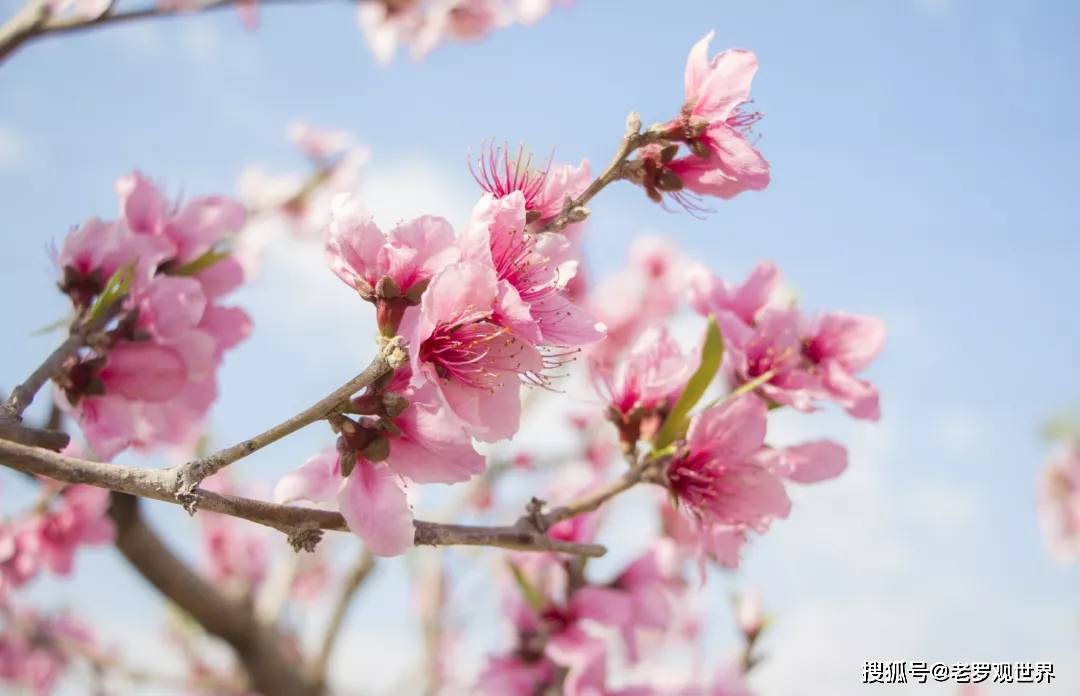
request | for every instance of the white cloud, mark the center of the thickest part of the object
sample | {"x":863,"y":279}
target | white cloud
{"x":13,"y":149}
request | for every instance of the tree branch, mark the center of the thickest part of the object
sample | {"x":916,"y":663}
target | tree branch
{"x":302,"y":525}
{"x":391,"y":356}
{"x":574,"y":209}
{"x":34,"y":21}
{"x":358,"y":572}
{"x":258,"y":647}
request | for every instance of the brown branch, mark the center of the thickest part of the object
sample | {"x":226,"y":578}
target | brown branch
{"x":574,"y":209}
{"x":188,"y":477}
{"x":302,"y":525}
{"x":358,"y":572}
{"x":259,"y":648}
{"x":81,"y":330}
{"x":33,"y":21}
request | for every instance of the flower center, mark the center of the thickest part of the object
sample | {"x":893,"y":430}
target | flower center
{"x":500,"y":176}
{"x":469,"y":353}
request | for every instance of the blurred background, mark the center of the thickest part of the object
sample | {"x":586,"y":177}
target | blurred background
{"x":924,"y":157}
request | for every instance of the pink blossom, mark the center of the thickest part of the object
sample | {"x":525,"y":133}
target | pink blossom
{"x":461,"y":343}
{"x":94,"y":252}
{"x":532,"y":272}
{"x":236,"y":551}
{"x":645,"y":293}
{"x":432,"y":447}
{"x":518,"y":674}
{"x":544,"y":191}
{"x":654,"y":583}
{"x":407,"y":257}
{"x":809,"y":462}
{"x":711,"y":295}
{"x":317,"y":143}
{"x":717,"y":478}
{"x":770,"y":351}
{"x":154,"y":379}
{"x":1059,"y":503}
{"x":650,"y":375}
{"x":839,"y":346}
{"x":720,"y":543}
{"x":722,"y":163}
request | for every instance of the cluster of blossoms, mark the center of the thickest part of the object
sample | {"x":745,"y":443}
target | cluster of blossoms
{"x":424,"y":24}
{"x":48,"y":535}
{"x":483,"y":313}
{"x":1059,"y":501}
{"x":151,"y":378}
{"x":36,"y":649}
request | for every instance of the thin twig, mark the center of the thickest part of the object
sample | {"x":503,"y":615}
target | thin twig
{"x":34,"y":21}
{"x":358,"y":572}
{"x":574,"y":209}
{"x":81,"y":330}
{"x":303,"y":525}
{"x":188,"y":477}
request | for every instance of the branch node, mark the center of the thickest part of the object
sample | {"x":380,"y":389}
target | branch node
{"x":394,"y":351}
{"x":305,"y":539}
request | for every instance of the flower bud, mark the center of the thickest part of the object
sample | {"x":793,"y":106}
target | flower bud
{"x":377,"y":450}
{"x":394,"y":404}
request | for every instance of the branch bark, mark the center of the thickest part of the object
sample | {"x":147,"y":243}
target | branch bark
{"x":33,"y":21}
{"x":391,"y":356}
{"x":302,"y":525}
{"x":258,"y":647}
{"x":574,"y":209}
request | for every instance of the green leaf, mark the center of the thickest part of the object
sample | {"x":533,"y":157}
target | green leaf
{"x":200,"y":264}
{"x":712,"y":353}
{"x":528,"y":590}
{"x":116,"y":288}
{"x":55,"y":326}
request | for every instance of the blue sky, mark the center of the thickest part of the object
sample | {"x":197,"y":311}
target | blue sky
{"x":924,"y":169}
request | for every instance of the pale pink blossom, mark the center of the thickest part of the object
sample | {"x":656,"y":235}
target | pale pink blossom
{"x":1059,"y":503}
{"x":655,"y":585}
{"x":236,"y":551}
{"x":319,"y":144}
{"x":770,"y":352}
{"x":387,"y":25}
{"x":650,"y":376}
{"x":722,"y":162}
{"x":404,"y":259}
{"x":544,"y":191}
{"x":642,"y":295}
{"x":429,"y":446}
{"x":717,"y":477}
{"x":462,"y":344}
{"x":838,"y":347}
{"x":711,"y":295}
{"x":371,"y":499}
{"x":154,"y":379}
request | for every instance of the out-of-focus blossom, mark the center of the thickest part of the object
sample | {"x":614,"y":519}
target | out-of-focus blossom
{"x":35,"y":649}
{"x":839,"y":346}
{"x":711,"y":295}
{"x":236,"y":550}
{"x":153,"y":380}
{"x":1059,"y":502}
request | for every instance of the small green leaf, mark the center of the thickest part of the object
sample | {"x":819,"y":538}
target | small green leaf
{"x":712,"y":353}
{"x":49,"y":328}
{"x":116,"y":288}
{"x":200,"y":264}
{"x":528,"y":590}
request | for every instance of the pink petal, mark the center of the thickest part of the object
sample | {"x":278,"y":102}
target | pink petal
{"x":144,"y":371}
{"x":202,"y":223}
{"x":732,"y":430}
{"x":815,"y":461}
{"x":434,"y":446}
{"x":376,"y":510}
{"x":141,"y":203}
{"x":228,"y":325}
{"x":317,"y":480}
